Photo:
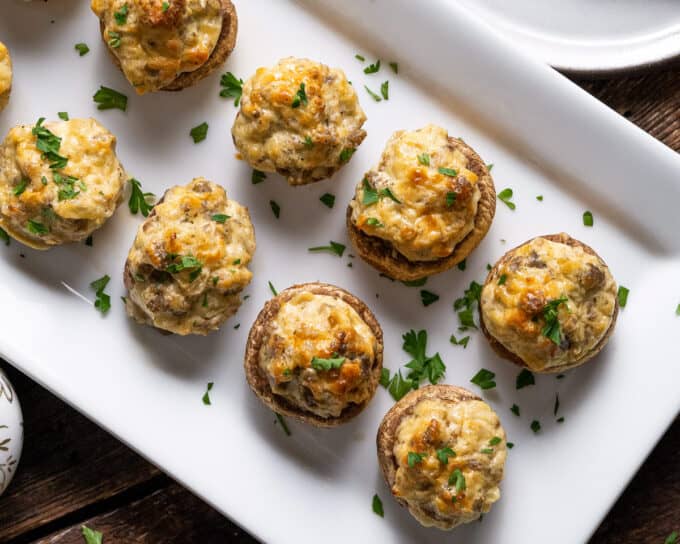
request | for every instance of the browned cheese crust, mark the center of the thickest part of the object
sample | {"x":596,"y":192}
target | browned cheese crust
{"x":261,"y":328}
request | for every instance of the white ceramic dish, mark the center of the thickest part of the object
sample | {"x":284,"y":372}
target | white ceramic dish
{"x":544,"y":135}
{"x":588,"y":36}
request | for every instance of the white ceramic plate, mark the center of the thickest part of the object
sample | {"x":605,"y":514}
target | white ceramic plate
{"x":588,"y":36}
{"x":544,"y":135}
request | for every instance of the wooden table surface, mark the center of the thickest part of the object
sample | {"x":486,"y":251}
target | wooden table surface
{"x":74,"y":473}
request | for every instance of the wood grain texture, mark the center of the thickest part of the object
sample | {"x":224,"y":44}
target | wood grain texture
{"x":74,"y":473}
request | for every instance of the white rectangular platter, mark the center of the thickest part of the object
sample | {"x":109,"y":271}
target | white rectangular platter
{"x":545,"y":137}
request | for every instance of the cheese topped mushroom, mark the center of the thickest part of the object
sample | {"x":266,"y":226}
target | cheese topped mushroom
{"x":550,"y":303}
{"x":299,"y":118}
{"x":315,"y":352}
{"x":188,"y":264}
{"x":443,"y":450}
{"x":59,"y":181}
{"x":157,"y":42}
{"x":5,"y":76}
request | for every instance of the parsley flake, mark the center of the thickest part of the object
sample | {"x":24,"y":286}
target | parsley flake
{"x":385,"y":90}
{"x":424,"y":159}
{"x":272,"y":289}
{"x":372,"y":68}
{"x":374,"y":222}
{"x":378,"y":506}
{"x":457,"y":479}
{"x":139,"y":200}
{"x":551,"y":329}
{"x":300,"y":97}
{"x":588,"y":218}
{"x":114,"y":39}
{"x":373,"y":95}
{"x":447,"y":172}
{"x":399,"y":386}
{"x":505,"y":196}
{"x":465,"y":305}
{"x":495,"y":441}
{"x":535,"y":425}
{"x":462,"y":342}
{"x":622,"y":296}
{"x":346,"y":154}
{"x":484,"y":379}
{"x":319,"y":363}
{"x":503,"y":278}
{"x":395,"y":67}
{"x":515,"y":410}
{"x":219,"y":217}
{"x":415,"y":283}
{"x":427,"y":297}
{"x":121,"y":15}
{"x":232,"y":87}
{"x":421,"y":366}
{"x":328,"y":199}
{"x":539,"y":198}
{"x":444,"y":454}
{"x":206,"y":396}
{"x":360,"y":58}
{"x":199,"y":133}
{"x":333,"y":247}
{"x":186,"y":262}
{"x":91,"y":536}
{"x":4,"y":236}
{"x":276,"y":209}
{"x":103,"y":301}
{"x":257,"y":177}
{"x":63,"y":115}
{"x":20,"y":187}
{"x":524,"y":379}
{"x":107,"y":99}
{"x":283,"y":423}
{"x":36,"y":227}
{"x":414,"y":458}
{"x":450,"y":198}
{"x":82,"y":49}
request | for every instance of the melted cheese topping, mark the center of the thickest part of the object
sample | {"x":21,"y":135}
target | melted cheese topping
{"x":467,"y":428}
{"x":312,"y":325}
{"x":155,"y":46}
{"x":5,"y":76}
{"x":303,"y":143}
{"x":196,"y":299}
{"x":435,"y":211}
{"x":538,"y":272}
{"x":90,"y":150}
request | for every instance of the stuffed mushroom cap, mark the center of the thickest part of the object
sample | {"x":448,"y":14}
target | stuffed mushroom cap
{"x":425,"y":206}
{"x":5,"y":76}
{"x":59,"y":181}
{"x":167,"y":45}
{"x":442,"y":451}
{"x":315,"y":353}
{"x":549,"y":304}
{"x":188,"y":264}
{"x":299,"y":118}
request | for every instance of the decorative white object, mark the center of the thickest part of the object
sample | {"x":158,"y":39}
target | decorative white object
{"x":11,"y":432}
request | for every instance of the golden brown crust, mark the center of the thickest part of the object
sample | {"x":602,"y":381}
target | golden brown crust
{"x":258,"y":332}
{"x":384,"y":257}
{"x":387,"y":432}
{"x":225,"y":45}
{"x":502,"y":351}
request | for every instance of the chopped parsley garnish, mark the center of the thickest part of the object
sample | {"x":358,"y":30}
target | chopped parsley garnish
{"x":458,"y":480}
{"x":206,"y":396}
{"x":672,"y":538}
{"x":395,"y":67}
{"x":309,"y":143}
{"x":414,"y":458}
{"x":91,"y":536}
{"x":219,"y":217}
{"x":428,"y":297}
{"x":374,"y":222}
{"x":20,"y":187}
{"x":524,"y":379}
{"x":677,"y":310}
{"x":450,"y":198}
{"x":114,"y":39}
{"x":63,"y":115}
{"x":272,"y":289}
{"x":462,"y":342}
{"x":236,"y":261}
{"x":385,"y":90}
{"x":186,"y":262}
{"x":103,"y":301}
{"x":328,"y":199}
{"x":373,"y":95}
{"x":535,"y":425}
{"x":551,"y":328}
{"x":559,"y":377}
{"x":360,"y":58}
{"x":424,"y":159}
{"x":139,"y":200}
{"x":121,"y":15}
{"x":4,"y":236}
{"x":539,"y":198}
{"x":484,"y":379}
{"x":465,"y":305}
{"x":232,"y":87}
{"x":165,"y":6}
{"x":495,"y":441}
{"x":622,"y":296}
{"x":82,"y":49}
{"x":283,"y":424}
{"x":588,"y":218}
{"x":505,"y":196}
{"x":49,"y":143}
{"x":36,"y":227}
{"x":486,"y":450}
{"x":510,"y":445}
{"x":333,"y":247}
{"x":378,"y":506}
{"x":372,"y":68}
{"x":300,"y":97}
{"x":370,"y":194}
{"x":67,"y":186}
{"x":319,"y":363}
{"x":560,"y":420}
{"x":415,"y":283}
{"x":444,"y":454}
{"x":515,"y":410}
{"x":556,"y":406}
{"x":276,"y":209}
{"x":489,"y":166}
{"x":199,"y":133}
{"x":384,"y":377}
{"x":399,"y":386}
{"x":421,"y":366}
{"x":447,"y":172}
{"x":108,"y":99}
{"x":346,"y":154}
{"x":502,"y":279}
{"x":462,"y":265}
{"x":257,"y":177}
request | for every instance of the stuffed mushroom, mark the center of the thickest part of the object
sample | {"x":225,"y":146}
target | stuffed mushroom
{"x":442,"y":452}
{"x":167,"y":45}
{"x":189,"y":262}
{"x":423,"y":209}
{"x":5,"y":76}
{"x":299,"y":118}
{"x":549,"y":304}
{"x":59,"y":181}
{"x":315,"y":353}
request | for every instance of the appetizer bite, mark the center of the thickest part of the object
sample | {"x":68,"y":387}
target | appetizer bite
{"x":167,"y":45}
{"x":5,"y":76}
{"x":315,"y":353}
{"x":299,"y":118}
{"x":59,"y":181}
{"x":423,"y":209}
{"x":442,"y":451}
{"x":549,"y":304}
{"x":188,"y":264}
